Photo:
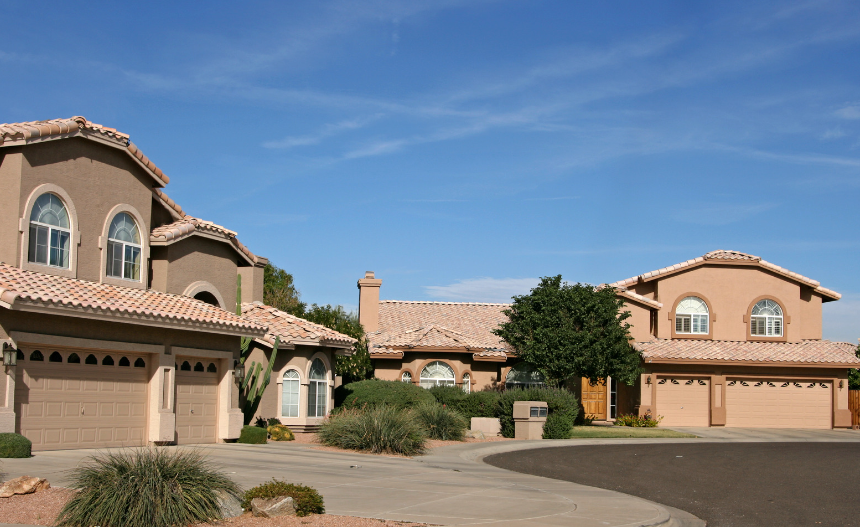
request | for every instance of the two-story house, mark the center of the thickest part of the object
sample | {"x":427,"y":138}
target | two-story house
{"x":122,"y":308}
{"x":726,"y":339}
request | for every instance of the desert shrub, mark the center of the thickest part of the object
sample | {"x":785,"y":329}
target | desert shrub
{"x":441,"y":422}
{"x":639,"y":421}
{"x":14,"y":445}
{"x":374,"y":429}
{"x":557,"y":426}
{"x":151,"y":487}
{"x":306,"y":499}
{"x":448,"y":395}
{"x":253,"y":435}
{"x":272,"y":421}
{"x":479,"y":404}
{"x":559,"y":401}
{"x":280,"y":433}
{"x":374,"y":392}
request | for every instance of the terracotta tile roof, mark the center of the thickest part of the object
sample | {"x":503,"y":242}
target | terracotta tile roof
{"x":13,"y":134}
{"x":385,"y":353}
{"x":723,"y":256}
{"x":496,"y":355}
{"x":466,"y":325}
{"x":292,"y":330}
{"x":804,"y":352}
{"x":623,"y":291}
{"x":21,"y":289}
{"x":172,"y":232}
{"x":171,"y":206}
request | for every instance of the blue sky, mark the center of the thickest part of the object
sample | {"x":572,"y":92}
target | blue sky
{"x":461,"y":149}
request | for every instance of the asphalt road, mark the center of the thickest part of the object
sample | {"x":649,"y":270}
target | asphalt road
{"x":726,"y":484}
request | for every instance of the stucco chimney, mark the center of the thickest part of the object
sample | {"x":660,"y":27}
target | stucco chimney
{"x":368,"y":302}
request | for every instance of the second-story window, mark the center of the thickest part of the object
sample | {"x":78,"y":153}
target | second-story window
{"x":691,"y":316}
{"x":123,"y":250}
{"x":50,"y":237}
{"x":766,"y":319}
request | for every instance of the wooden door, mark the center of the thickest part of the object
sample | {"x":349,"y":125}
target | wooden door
{"x":594,"y":399}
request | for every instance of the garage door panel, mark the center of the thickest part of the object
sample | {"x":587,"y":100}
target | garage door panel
{"x":778,"y":404}
{"x":683,"y":401}
{"x":196,"y":406}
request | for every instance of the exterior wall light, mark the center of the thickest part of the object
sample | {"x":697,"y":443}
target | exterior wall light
{"x":841,"y":383}
{"x":648,"y":380}
{"x":239,"y":373}
{"x":10,"y":355}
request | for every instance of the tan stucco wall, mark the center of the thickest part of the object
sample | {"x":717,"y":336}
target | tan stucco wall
{"x":10,"y":182}
{"x":193,"y":259}
{"x":730,"y":290}
{"x":485,"y":375}
{"x":640,"y":320}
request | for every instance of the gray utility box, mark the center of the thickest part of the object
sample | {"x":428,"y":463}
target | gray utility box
{"x":529,"y":417}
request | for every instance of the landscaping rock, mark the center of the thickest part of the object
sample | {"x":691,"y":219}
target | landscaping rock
{"x":23,"y":485}
{"x":475,"y":434}
{"x":230,"y":506}
{"x":274,"y":507}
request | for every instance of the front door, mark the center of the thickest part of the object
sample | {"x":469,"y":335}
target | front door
{"x":594,"y":399}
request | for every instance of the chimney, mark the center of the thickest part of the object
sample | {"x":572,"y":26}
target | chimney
{"x":368,"y":302}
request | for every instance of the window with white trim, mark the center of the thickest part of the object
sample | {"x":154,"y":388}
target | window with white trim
{"x":317,"y":389}
{"x":692,"y":317}
{"x":123,"y":248}
{"x":766,"y":319}
{"x":437,"y":373}
{"x":467,"y":383}
{"x":406,"y":377}
{"x":50,"y":234}
{"x":290,"y":394}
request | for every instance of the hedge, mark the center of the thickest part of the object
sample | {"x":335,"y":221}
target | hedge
{"x":14,"y":445}
{"x":375,"y":392}
{"x":479,"y":404}
{"x":253,"y":435}
{"x":559,"y":401}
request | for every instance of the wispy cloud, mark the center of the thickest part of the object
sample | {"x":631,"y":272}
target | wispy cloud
{"x":851,"y":111}
{"x":720,"y":214}
{"x":328,"y":130}
{"x":482,"y":289}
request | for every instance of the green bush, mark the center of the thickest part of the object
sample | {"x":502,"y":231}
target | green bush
{"x":152,"y":487}
{"x":280,"y":433}
{"x":306,"y":499}
{"x":441,"y":422}
{"x":374,"y":392}
{"x":559,"y":401}
{"x":374,"y":429}
{"x":14,"y":445}
{"x":643,"y":421}
{"x":253,"y":435}
{"x":557,"y":426}
{"x":479,"y":404}
{"x":272,"y":421}
{"x":448,"y":395}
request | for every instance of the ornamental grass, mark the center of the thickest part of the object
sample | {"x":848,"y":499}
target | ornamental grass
{"x":375,"y":429}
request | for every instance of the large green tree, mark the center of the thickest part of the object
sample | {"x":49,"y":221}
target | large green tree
{"x":280,"y":292}
{"x":572,"y":330}
{"x":854,"y":374}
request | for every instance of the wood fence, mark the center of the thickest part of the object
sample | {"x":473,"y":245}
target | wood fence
{"x":854,"y":406}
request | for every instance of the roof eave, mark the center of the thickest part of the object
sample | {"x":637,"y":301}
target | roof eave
{"x":723,"y":362}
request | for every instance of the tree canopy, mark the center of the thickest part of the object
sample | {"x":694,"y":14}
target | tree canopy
{"x":572,"y":330}
{"x":854,"y":374}
{"x":280,"y":292}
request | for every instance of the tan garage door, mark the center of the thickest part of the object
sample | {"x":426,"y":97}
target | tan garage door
{"x":769,"y":403}
{"x":196,"y":401}
{"x":683,"y":401}
{"x":81,"y":399}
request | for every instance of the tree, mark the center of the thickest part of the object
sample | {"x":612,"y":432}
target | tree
{"x":854,"y":374}
{"x":357,"y":367}
{"x":576,"y":330}
{"x":280,"y":292}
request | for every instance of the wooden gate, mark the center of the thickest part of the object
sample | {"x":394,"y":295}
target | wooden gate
{"x":854,"y":406}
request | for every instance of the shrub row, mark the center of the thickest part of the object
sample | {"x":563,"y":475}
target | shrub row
{"x":644,"y":421}
{"x":563,"y":407}
{"x":14,"y":445}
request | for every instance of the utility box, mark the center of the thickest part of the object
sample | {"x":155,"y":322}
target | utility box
{"x":529,"y":417}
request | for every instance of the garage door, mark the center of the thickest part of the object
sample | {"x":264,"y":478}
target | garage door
{"x":683,"y":401}
{"x":81,"y":399}
{"x":769,"y":403}
{"x":196,"y":401}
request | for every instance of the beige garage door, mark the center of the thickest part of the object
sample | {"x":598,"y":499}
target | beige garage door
{"x":683,"y":401}
{"x":196,"y":401}
{"x":81,"y":399}
{"x":769,"y":403}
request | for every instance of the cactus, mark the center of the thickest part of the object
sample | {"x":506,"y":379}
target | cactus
{"x":253,"y":385}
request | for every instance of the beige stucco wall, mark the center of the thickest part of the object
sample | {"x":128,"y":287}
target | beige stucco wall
{"x":485,"y":375}
{"x":640,"y":320}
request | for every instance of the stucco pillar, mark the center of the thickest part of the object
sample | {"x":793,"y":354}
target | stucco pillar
{"x":368,"y":302}
{"x":162,"y":419}
{"x":841,"y":413}
{"x":7,"y":411}
{"x":230,"y":417}
{"x":646,"y":399}
{"x":718,"y":400}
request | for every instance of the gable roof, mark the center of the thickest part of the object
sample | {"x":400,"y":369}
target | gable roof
{"x":728,"y":258}
{"x":806,"y":353}
{"x":31,"y":291}
{"x":293,"y":330}
{"x":15,"y":134}
{"x":455,"y":326}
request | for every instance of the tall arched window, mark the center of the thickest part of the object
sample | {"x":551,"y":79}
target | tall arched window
{"x":50,"y":234}
{"x":524,"y":375}
{"x":290,"y":394}
{"x":691,"y":316}
{"x":766,"y":319}
{"x":317,"y":389}
{"x":437,"y":373}
{"x":467,"y":383}
{"x":124,"y":248}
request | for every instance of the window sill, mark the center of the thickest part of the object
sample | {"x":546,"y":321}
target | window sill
{"x":49,"y":269}
{"x":123,"y":282}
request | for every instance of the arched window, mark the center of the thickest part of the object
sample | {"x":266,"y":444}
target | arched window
{"x":107,"y":361}
{"x":524,"y":375}
{"x":74,"y":359}
{"x":691,"y":316}
{"x":124,"y":362}
{"x":766,"y":319}
{"x":50,"y":234}
{"x":123,"y":250}
{"x":139,"y":363}
{"x":317,"y":389}
{"x":406,"y":377}
{"x":290,"y":394}
{"x":55,"y":357}
{"x":437,"y":373}
{"x":185,"y":366}
{"x":37,"y":355}
{"x":91,"y":359}
{"x":198,"y":367}
{"x":212,"y":368}
{"x":467,"y":383}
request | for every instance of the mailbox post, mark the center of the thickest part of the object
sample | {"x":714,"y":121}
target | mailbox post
{"x":529,"y":417}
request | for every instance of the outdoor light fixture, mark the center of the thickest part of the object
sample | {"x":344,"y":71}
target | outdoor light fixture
{"x":238,"y":373}
{"x":840,"y":384}
{"x":648,"y":380}
{"x":10,"y":355}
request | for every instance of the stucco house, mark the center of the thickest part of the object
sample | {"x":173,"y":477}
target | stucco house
{"x":727,"y":339}
{"x":120,"y":306}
